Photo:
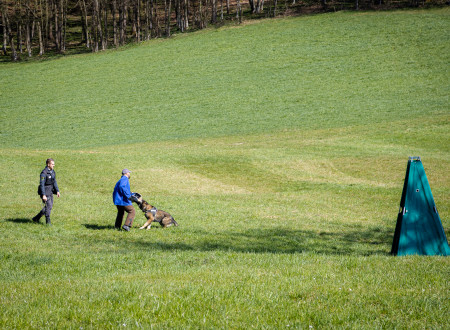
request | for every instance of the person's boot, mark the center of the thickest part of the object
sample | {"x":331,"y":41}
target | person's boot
{"x":127,"y":225}
{"x":47,"y":221}
{"x":37,"y":217}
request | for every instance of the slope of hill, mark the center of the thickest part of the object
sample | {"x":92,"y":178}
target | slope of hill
{"x":323,"y":71}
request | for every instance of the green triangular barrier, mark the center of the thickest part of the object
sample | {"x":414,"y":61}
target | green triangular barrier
{"x":419,"y":228}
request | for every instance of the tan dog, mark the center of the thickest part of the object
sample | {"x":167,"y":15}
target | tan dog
{"x":152,"y":213}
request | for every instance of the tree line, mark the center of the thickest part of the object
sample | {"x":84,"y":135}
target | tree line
{"x":37,"y":27}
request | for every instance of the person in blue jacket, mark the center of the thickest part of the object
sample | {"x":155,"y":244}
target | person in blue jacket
{"x":121,"y":198}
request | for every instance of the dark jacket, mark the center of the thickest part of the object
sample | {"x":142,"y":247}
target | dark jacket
{"x":47,"y":182}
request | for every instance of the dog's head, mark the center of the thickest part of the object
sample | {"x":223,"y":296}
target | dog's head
{"x":136,"y":197}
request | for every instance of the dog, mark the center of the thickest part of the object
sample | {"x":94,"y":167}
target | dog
{"x":152,"y":213}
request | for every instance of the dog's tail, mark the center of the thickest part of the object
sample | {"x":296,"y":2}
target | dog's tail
{"x":174,"y":222}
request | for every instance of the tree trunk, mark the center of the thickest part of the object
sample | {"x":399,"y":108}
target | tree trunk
{"x":19,"y":38}
{"x":205,"y":15}
{"x":85,"y":23}
{"x":252,"y":5}
{"x":123,"y":22}
{"x":33,"y":29}
{"x":46,"y":25}
{"x":259,"y":6}
{"x":28,"y":36}
{"x":147,"y":20}
{"x":59,"y":19}
{"x":94,"y":26}
{"x":114,"y":12}
{"x":186,"y":14}
{"x":57,"y":31}
{"x":178,"y":14}
{"x":213,"y":11}
{"x":105,"y":26}
{"x":51,"y":37}
{"x":156,"y":31}
{"x":5,"y":34}
{"x":63,"y":25}
{"x":199,"y":15}
{"x":99,"y":24}
{"x":238,"y":11}
{"x":14,"y":56}
{"x":28,"y":30}
{"x":41,"y":44}
{"x":40,"y":24}
{"x":138,"y":20}
{"x":182,"y":14}
{"x":168,"y":12}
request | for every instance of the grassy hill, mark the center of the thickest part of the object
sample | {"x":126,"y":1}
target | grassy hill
{"x":280,"y":147}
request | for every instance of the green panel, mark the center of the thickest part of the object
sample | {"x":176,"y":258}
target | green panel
{"x":421,"y":230}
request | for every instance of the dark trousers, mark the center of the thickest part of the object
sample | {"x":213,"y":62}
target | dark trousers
{"x":47,"y":209}
{"x":131,"y":212}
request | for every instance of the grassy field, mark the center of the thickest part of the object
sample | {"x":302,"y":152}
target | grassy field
{"x":280,"y":147}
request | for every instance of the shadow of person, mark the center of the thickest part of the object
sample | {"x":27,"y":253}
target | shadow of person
{"x":97,"y":227}
{"x":20,"y":220}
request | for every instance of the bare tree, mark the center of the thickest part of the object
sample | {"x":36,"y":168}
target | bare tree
{"x":28,"y":32}
{"x":105,"y":34}
{"x":14,"y":56}
{"x":5,"y":32}
{"x":213,"y":11}
{"x":28,"y":24}
{"x":123,"y":13}
{"x":238,"y":11}
{"x":114,"y":22}
{"x":84,"y":23}
{"x":168,"y":14}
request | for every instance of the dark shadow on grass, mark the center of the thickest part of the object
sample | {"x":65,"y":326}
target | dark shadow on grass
{"x":356,"y":241}
{"x":97,"y":227}
{"x":20,"y":220}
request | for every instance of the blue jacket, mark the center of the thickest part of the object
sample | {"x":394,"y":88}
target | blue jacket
{"x":122,"y":192}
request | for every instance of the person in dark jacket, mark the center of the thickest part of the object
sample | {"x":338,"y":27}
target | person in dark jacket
{"x":47,"y":187}
{"x":121,"y":198}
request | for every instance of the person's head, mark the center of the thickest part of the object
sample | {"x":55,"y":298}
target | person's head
{"x":126,"y":172}
{"x":50,"y":163}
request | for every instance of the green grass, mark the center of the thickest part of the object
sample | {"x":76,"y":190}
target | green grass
{"x":280,"y":147}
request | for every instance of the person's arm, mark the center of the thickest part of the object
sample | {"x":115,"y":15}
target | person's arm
{"x":127,"y":189}
{"x":42,"y":184}
{"x":55,"y":185}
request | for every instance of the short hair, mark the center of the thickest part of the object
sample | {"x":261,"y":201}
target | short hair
{"x":49,"y":160}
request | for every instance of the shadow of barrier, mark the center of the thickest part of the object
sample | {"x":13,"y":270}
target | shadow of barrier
{"x":354,"y":241}
{"x":372,"y":241}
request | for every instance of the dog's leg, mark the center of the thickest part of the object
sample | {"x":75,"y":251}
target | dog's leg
{"x":166,"y":222}
{"x":148,"y":224}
